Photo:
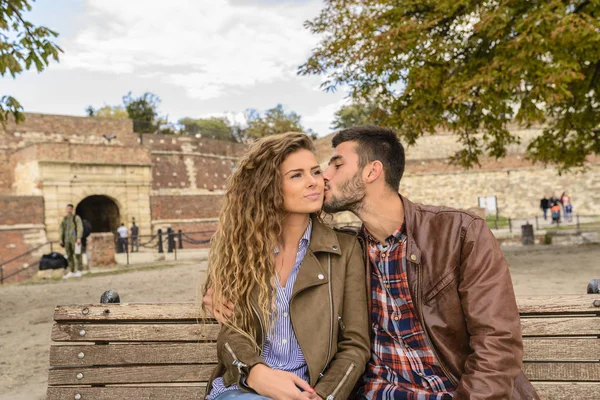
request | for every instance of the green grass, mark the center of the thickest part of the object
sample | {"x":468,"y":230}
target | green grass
{"x":491,"y":221}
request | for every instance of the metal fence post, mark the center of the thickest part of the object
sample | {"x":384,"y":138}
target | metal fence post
{"x":509,"y":225}
{"x":160,"y":243}
{"x":537,"y":225}
{"x":577,"y":216}
{"x":170,"y":240}
{"x":179,"y":238}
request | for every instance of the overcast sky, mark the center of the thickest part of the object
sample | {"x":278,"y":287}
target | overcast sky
{"x":201,"y":57}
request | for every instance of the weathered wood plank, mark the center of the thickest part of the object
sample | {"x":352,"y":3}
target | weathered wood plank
{"x":547,"y":326}
{"x":560,"y":349}
{"x":568,"y":371}
{"x":124,"y":354}
{"x":116,"y":375}
{"x":134,"y":332}
{"x":129,"y":312}
{"x":138,"y":393}
{"x":581,"y":304}
{"x":566,"y":391}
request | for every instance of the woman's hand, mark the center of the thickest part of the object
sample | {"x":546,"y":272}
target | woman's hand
{"x":279,"y":385}
{"x":221,"y":312}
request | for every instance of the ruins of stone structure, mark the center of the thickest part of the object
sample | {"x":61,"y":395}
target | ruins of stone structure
{"x":114,"y":175}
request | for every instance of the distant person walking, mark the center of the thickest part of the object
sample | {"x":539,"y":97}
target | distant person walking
{"x":122,"y":231}
{"x":567,"y":205}
{"x":134,"y":237}
{"x":556,"y":213}
{"x":545,"y":206}
{"x":71,"y":232}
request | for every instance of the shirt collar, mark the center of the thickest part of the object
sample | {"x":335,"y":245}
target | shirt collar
{"x":304,"y":240}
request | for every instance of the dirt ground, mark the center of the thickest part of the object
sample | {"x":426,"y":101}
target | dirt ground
{"x":26,"y":310}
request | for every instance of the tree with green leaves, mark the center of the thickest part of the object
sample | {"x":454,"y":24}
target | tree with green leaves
{"x":22,"y":46}
{"x":471,"y":67}
{"x":275,"y":120}
{"x":142,"y":110}
{"x":216,"y":128}
{"x":359,"y":113}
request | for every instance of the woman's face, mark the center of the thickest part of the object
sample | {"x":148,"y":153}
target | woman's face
{"x":302,"y":183}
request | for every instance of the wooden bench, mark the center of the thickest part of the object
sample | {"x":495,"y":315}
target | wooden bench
{"x":160,"y":351}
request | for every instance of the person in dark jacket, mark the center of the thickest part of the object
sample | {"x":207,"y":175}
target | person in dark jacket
{"x":545,"y":206}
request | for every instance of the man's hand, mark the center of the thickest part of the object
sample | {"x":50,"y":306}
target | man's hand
{"x":279,"y":385}
{"x":221,"y":312}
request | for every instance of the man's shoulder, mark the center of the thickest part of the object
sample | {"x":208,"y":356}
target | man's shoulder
{"x":444,"y":216}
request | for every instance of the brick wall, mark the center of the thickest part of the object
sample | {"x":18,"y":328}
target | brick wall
{"x":169,"y":172}
{"x":184,"y":207}
{"x":16,"y":210}
{"x":61,"y":128}
{"x":81,"y":153}
{"x":192,"y":144}
{"x":102,"y":250}
{"x":6,"y":178}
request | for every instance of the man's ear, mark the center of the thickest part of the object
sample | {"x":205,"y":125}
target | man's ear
{"x":373,"y":171}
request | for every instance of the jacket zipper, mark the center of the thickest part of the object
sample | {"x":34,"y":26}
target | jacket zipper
{"x":429,"y":342}
{"x":262,"y":329}
{"x":342,"y":326}
{"x":339,"y":385}
{"x":236,"y":363}
{"x":331,"y":315}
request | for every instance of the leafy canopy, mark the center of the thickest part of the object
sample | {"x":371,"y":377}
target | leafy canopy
{"x":471,"y":67}
{"x":22,"y":46}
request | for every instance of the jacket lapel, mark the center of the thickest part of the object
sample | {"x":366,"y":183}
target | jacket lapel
{"x":313,"y":270}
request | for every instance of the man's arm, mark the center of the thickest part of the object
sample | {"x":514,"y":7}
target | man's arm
{"x":491,"y":316}
{"x":79,"y":227}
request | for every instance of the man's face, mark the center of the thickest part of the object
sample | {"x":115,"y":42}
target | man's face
{"x":69,"y":210}
{"x":344,"y":186}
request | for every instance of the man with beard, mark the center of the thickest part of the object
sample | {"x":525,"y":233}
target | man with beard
{"x":444,"y":319}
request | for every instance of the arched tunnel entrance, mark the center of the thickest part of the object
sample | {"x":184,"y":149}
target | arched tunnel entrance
{"x":101,"y":211}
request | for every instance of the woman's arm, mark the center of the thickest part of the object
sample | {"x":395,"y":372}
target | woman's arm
{"x":353,"y":347}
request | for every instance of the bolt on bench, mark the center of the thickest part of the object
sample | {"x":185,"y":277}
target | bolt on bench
{"x":163,"y":350}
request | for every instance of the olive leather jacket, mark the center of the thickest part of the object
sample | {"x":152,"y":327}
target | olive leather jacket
{"x":462,"y":292}
{"x":329,"y":315}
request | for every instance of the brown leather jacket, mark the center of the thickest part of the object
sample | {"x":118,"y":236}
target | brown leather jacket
{"x":463,"y":294}
{"x":329,"y":315}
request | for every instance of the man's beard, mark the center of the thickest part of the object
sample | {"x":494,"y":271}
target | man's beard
{"x":350,"y":196}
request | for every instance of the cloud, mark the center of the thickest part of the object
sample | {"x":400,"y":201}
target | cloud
{"x":210,"y":48}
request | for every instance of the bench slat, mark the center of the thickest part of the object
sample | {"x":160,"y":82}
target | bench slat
{"x":129,"y":312}
{"x":547,"y":326}
{"x":146,"y":374}
{"x":566,"y":391}
{"x":558,"y":349}
{"x":121,"y":354}
{"x":134,"y":332}
{"x":138,"y":393}
{"x":533,"y":305}
{"x":567,"y":371}
{"x":581,"y":304}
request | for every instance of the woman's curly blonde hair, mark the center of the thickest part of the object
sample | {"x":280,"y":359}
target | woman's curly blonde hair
{"x":242,"y":257}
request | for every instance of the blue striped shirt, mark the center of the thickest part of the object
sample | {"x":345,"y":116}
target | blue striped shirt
{"x":281,"y":349}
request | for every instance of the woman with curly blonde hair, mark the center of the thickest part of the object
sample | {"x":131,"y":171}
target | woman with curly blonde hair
{"x":299,"y":327}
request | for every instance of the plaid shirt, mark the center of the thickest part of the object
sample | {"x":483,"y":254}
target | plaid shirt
{"x":402,"y":364}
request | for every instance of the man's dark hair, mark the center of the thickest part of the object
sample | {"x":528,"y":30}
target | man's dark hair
{"x":70,"y":205}
{"x":376,"y":143}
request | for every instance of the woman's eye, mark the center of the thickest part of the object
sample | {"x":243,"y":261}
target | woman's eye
{"x":337,"y":166}
{"x":296,"y":176}
{"x":318,"y":172}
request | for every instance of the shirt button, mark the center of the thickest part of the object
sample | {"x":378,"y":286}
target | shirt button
{"x":405,"y":345}
{"x":420,"y":374}
{"x":321,"y":276}
{"x":413,"y":257}
{"x":387,"y":286}
{"x":396,"y":318}
{"x":284,"y":341}
{"x":383,"y":255}
{"x":285,"y":314}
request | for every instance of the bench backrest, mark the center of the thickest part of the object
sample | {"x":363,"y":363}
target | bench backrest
{"x":163,"y":351}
